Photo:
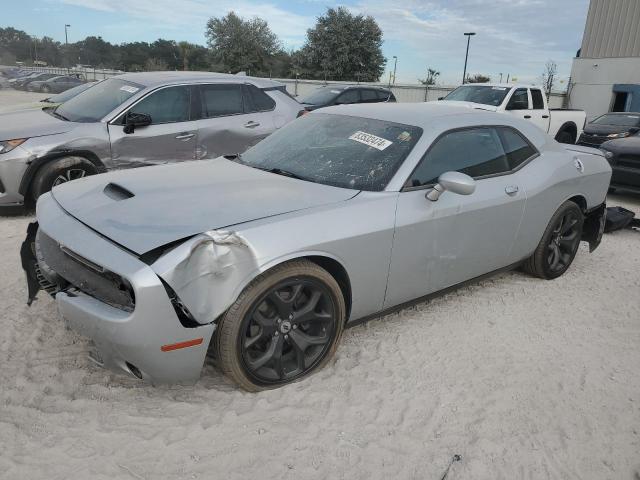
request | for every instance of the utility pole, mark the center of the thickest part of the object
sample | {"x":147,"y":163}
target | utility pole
{"x":501,"y":78}
{"x":395,"y":65}
{"x":66,"y":36}
{"x":66,"y":45}
{"x":464,"y":73}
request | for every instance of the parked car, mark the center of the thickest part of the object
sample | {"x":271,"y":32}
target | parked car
{"x":22,"y":83}
{"x":525,"y":102}
{"x":608,"y":127}
{"x":345,"y":94}
{"x":54,"y":84}
{"x":624,"y":156}
{"x":345,"y":213}
{"x":49,"y":102}
{"x":137,"y":119}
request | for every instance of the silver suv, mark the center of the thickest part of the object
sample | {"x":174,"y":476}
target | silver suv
{"x":134,"y":120}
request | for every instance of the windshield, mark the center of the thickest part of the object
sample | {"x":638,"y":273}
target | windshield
{"x":93,"y":104}
{"x":484,"y":94}
{"x":339,"y":150}
{"x":69,"y":94}
{"x":321,"y":96}
{"x":618,"y":120}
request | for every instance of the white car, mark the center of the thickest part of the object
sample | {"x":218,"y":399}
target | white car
{"x":522,"y":101}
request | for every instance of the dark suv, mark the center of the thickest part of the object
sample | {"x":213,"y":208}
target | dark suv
{"x":345,"y":94}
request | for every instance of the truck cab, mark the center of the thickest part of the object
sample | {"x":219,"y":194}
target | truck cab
{"x":523,"y":101}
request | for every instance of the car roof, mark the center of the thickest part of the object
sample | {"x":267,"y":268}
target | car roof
{"x":154,"y":79}
{"x":620,"y":113}
{"x":437,"y":116}
{"x":504,"y":85}
{"x":359,"y":85}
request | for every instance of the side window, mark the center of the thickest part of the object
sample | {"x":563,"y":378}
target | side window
{"x":383,"y":96}
{"x":368,"y":96}
{"x":166,"y":105}
{"x":221,"y":100}
{"x":476,"y":152}
{"x":517,"y":149}
{"x":257,"y":100}
{"x":349,"y":96}
{"x":536,"y":98}
{"x":519,"y":100}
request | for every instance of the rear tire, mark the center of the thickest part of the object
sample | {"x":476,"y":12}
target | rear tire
{"x":286,"y":324}
{"x":559,"y":243}
{"x":60,"y":171}
{"x":565,"y":137}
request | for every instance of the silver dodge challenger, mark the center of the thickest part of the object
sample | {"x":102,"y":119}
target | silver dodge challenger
{"x":260,"y":260}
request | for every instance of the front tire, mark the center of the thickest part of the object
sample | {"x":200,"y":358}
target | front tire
{"x":559,"y":243}
{"x":60,"y":171}
{"x":45,"y":89}
{"x":286,"y":324}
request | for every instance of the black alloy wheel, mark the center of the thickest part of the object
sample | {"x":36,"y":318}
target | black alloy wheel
{"x":288,"y":330}
{"x":564,"y":241}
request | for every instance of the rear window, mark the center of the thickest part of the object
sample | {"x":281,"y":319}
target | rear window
{"x":258,"y":101}
{"x":618,"y":120}
{"x":517,"y":149}
{"x":368,"y":96}
{"x":221,"y":100}
{"x":536,"y":97}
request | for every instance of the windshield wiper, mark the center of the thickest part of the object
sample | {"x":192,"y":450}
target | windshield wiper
{"x":284,"y":173}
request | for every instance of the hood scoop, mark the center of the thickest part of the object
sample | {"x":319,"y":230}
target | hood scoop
{"x":117,"y":192}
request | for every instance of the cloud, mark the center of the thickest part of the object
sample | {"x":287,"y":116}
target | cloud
{"x":179,"y":15}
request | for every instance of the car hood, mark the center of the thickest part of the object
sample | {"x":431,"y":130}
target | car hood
{"x":31,"y":123}
{"x":148,"y":207}
{"x":596,"y":129}
{"x":629,"y":145}
{"x":479,"y":106}
{"x":25,"y":106}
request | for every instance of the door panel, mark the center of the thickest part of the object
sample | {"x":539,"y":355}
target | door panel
{"x":228,"y":126}
{"x":519,"y":104}
{"x":457,"y":238}
{"x":539,"y":116}
{"x":153,"y":145}
{"x":171,"y":137}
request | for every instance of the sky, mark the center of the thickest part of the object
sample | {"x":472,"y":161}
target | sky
{"x":514,"y":37}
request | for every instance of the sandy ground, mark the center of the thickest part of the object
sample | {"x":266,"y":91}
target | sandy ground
{"x":524,"y":378}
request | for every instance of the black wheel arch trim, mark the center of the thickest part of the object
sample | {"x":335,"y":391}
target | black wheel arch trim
{"x":36,"y":163}
{"x":593,"y":227}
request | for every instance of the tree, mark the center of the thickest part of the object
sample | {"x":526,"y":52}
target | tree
{"x":242,"y":45}
{"x":155,"y":65}
{"x":342,"y":46}
{"x":432,"y":74}
{"x":477,"y":78}
{"x":549,"y":76}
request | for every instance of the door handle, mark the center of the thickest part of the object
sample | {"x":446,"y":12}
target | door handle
{"x":545,"y":116}
{"x":251,"y":124}
{"x":527,"y":116}
{"x":511,"y":189}
{"x":185,"y":136}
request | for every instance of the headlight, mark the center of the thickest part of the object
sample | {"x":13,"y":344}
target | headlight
{"x":8,"y":145}
{"x":618,"y":135}
{"x":607,"y":154}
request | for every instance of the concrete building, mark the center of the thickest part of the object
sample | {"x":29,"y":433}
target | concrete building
{"x":605,"y":76}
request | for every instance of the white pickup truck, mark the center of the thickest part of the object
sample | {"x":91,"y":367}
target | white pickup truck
{"x":522,"y":101}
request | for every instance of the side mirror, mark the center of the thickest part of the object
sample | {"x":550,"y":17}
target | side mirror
{"x":455,"y":182}
{"x":440,"y":98}
{"x":133,"y":120}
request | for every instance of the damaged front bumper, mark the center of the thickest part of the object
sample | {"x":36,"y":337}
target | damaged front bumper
{"x":593,"y":227}
{"x":148,"y":341}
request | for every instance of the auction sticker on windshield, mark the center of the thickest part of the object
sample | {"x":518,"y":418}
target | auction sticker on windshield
{"x":129,"y":89}
{"x":370,"y":140}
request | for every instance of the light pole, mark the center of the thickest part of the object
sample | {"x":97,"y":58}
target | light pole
{"x":500,"y":78}
{"x":395,"y":65}
{"x":464,"y":74}
{"x":66,"y":45}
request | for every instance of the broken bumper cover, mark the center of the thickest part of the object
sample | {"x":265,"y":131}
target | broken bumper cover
{"x":141,"y":342}
{"x":593,"y":227}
